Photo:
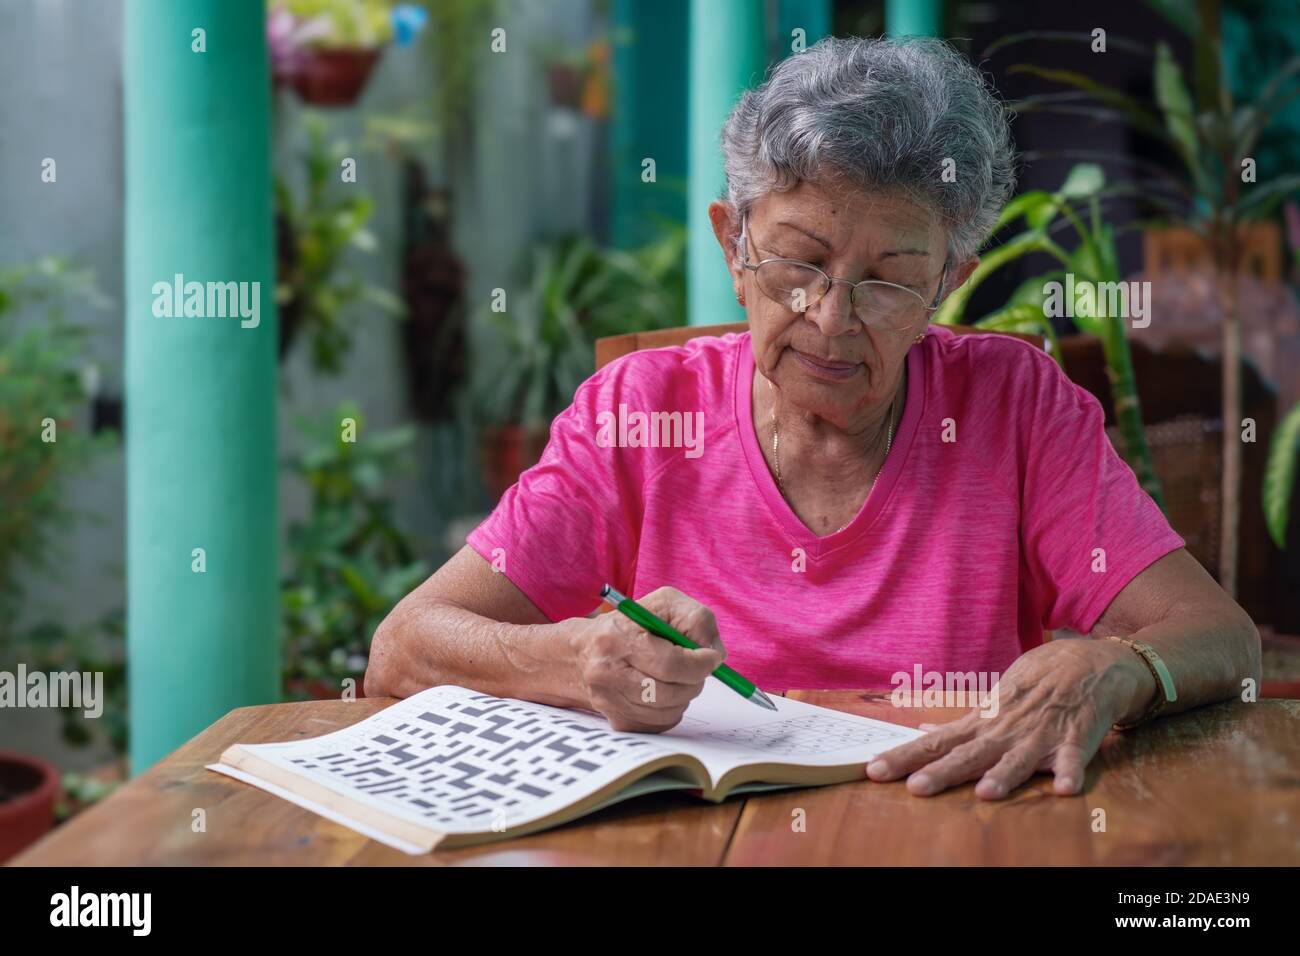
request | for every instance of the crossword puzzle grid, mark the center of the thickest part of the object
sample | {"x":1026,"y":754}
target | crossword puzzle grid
{"x":803,"y":736}
{"x":482,"y":754}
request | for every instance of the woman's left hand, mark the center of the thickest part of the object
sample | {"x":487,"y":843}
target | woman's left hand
{"x":1049,"y":712}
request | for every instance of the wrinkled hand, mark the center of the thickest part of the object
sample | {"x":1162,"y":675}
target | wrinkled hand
{"x":641,"y":682}
{"x":1053,"y":707}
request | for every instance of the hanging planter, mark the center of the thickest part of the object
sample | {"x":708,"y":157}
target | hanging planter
{"x":326,"y":50}
{"x":580,"y":82}
{"x":334,"y":77}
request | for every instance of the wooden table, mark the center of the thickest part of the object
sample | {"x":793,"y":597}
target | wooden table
{"x":1219,"y":785}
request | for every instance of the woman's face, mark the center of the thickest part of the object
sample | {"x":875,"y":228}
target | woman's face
{"x":825,"y":359}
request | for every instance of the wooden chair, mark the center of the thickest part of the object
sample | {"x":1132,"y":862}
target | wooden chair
{"x":616,"y":346}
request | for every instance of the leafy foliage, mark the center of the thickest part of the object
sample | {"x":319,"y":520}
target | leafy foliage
{"x":1209,"y":135}
{"x":457,"y":39}
{"x":40,"y":381}
{"x":314,"y":288}
{"x":41,"y":377}
{"x":1094,"y":259}
{"x":1212,"y":138}
{"x":577,"y":293}
{"x":350,"y":563}
{"x":344,"y":23}
{"x":99,"y":648}
{"x":1280,"y":475}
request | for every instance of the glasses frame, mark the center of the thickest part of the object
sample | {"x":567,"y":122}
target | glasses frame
{"x":831,"y":280}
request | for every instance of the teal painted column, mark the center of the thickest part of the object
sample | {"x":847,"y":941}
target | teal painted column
{"x":200,"y":390}
{"x":728,"y":44}
{"x":811,"y":16}
{"x":917,"y":18}
{"x":648,"y":119}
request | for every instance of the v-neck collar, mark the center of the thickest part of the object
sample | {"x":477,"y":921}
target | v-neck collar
{"x":796,"y":530}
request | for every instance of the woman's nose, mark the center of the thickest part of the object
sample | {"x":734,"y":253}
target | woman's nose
{"x":833,"y":312}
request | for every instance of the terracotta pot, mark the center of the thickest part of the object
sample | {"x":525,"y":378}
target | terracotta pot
{"x":28,"y":789}
{"x":507,"y":452}
{"x":334,"y":77}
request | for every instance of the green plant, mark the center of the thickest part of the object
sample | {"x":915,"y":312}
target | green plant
{"x":313,"y":286}
{"x":1210,"y":138}
{"x":577,"y":292}
{"x":458,"y":33}
{"x":343,"y":23}
{"x":1280,"y":474}
{"x":79,"y":792}
{"x":654,"y":297}
{"x":41,"y":394}
{"x":1093,"y":260}
{"x":99,"y":648}
{"x":350,"y":563}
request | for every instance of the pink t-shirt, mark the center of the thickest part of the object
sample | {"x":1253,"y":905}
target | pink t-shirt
{"x":1001,"y":510}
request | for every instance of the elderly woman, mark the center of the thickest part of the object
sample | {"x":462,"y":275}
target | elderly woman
{"x":868,"y":494}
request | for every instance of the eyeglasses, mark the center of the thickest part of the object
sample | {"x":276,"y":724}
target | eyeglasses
{"x":881,"y":305}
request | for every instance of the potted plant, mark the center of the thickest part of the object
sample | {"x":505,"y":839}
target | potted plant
{"x":1094,"y":260}
{"x":1210,"y":137}
{"x":349,"y":561}
{"x":326,"y":49}
{"x":29,"y":787}
{"x":579,"y":80}
{"x":543,"y":349}
{"x":42,"y":381}
{"x":540,"y":356}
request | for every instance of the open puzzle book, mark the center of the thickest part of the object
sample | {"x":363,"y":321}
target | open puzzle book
{"x":451,"y":766}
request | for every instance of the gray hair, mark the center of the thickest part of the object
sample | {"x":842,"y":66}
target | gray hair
{"x":881,"y":115}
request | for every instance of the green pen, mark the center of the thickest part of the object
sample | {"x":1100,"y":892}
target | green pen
{"x":741,"y":685}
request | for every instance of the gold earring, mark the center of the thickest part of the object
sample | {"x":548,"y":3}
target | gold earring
{"x":921,"y":336}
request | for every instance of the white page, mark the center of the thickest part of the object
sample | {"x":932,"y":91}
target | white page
{"x":459,"y":761}
{"x":724,"y":730}
{"x":432,"y":759}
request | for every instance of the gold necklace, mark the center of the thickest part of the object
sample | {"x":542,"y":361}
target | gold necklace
{"x":776,"y":444}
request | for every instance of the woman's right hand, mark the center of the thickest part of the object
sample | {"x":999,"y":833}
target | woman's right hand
{"x":641,"y":682}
